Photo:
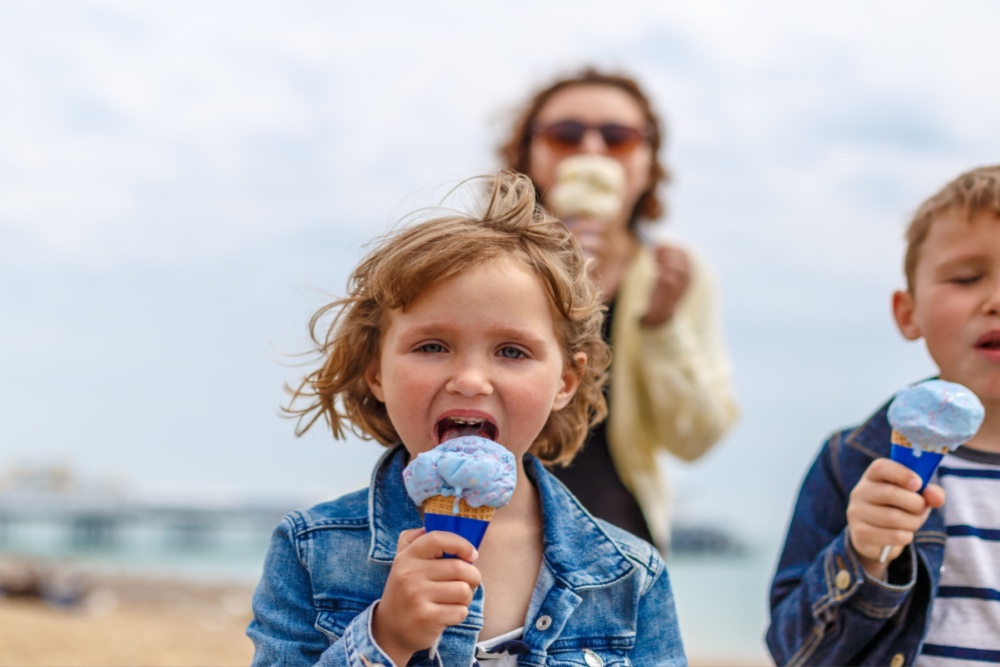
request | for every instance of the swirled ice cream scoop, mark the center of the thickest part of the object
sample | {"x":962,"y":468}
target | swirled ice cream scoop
{"x":469,"y":468}
{"x":588,"y":186}
{"x":935,"y":416}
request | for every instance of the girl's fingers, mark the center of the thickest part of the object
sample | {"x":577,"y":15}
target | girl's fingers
{"x":437,"y":543}
{"x":407,"y":536}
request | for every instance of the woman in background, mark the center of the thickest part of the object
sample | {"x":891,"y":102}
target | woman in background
{"x":670,"y":388}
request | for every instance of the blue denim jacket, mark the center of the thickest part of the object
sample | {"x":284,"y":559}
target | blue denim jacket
{"x":602,"y":596}
{"x":824,"y":610}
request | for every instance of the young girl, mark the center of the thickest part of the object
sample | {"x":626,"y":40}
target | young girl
{"x":479,"y":323}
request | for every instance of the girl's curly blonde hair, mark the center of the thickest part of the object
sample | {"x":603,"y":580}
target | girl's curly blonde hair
{"x":406,"y":263}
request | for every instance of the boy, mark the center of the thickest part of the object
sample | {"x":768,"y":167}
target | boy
{"x":936,"y":598}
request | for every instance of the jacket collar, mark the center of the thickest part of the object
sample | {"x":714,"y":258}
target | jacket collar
{"x":873,"y":437}
{"x":577,"y":549}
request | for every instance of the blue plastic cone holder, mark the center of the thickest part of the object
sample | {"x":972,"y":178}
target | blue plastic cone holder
{"x":471,"y":529}
{"x":921,"y":462}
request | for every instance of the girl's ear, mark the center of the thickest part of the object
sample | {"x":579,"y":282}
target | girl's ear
{"x":570,"y":381}
{"x":903,"y":307}
{"x":373,"y":375}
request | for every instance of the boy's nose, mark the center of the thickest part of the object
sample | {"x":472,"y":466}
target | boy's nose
{"x":992,"y":304}
{"x":469,"y":379}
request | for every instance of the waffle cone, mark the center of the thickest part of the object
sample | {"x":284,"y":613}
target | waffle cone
{"x":446,"y":505}
{"x":900,"y":439}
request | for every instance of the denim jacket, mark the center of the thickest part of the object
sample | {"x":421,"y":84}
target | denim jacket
{"x":824,"y":608}
{"x":602,"y":596}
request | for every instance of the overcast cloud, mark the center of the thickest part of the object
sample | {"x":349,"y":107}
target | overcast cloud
{"x":180,"y":183}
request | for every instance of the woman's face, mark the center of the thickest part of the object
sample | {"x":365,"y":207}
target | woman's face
{"x":592,"y":105}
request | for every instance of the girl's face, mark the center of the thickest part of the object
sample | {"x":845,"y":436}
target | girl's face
{"x":593,"y":105}
{"x":477,"y":353}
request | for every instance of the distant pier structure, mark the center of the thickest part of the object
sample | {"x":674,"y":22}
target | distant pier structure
{"x":45,"y":512}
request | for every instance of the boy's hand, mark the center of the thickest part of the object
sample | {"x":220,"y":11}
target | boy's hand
{"x":425,"y":593}
{"x":885,"y":510}
{"x":672,"y":280}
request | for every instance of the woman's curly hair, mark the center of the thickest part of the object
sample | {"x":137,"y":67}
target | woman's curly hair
{"x":515,"y":152}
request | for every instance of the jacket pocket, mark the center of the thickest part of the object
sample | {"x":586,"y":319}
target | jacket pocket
{"x":334,"y":616}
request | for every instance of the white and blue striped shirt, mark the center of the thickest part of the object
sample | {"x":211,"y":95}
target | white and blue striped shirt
{"x":965,"y":619}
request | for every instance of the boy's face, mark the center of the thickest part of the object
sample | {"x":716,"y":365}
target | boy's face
{"x":475,"y":354}
{"x":955,"y":302}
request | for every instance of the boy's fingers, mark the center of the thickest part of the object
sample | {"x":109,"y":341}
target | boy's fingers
{"x":887,"y":470}
{"x":890,"y":518}
{"x":934,"y":495}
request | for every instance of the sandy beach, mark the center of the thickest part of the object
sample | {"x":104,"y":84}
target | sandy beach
{"x":145,"y":622}
{"x":130,"y":622}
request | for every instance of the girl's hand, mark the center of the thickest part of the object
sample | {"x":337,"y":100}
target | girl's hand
{"x":885,"y":510}
{"x":425,"y":593}
{"x":672,"y":281}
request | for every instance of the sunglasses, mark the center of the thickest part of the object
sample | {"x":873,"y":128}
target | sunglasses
{"x":567,"y":135}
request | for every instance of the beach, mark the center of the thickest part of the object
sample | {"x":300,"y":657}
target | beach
{"x":130,"y":621}
{"x":143,"y":621}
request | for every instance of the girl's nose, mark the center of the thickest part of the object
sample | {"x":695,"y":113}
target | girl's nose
{"x":469,"y":379}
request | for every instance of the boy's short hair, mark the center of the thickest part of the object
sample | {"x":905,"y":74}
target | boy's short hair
{"x":406,"y":263}
{"x":975,"y":192}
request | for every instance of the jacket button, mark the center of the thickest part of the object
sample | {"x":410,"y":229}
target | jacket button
{"x":543,"y":623}
{"x":592,"y":659}
{"x":843,"y":580}
{"x":897,"y":660}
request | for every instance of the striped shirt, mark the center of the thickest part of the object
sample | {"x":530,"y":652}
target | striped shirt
{"x":965,"y":619}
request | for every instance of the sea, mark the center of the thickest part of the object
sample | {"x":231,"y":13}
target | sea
{"x":721,"y":598}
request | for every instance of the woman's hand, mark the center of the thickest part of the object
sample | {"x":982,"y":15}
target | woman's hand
{"x":885,"y":510}
{"x":672,"y":281}
{"x":425,"y":593}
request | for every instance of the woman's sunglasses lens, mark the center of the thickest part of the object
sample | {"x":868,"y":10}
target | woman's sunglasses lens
{"x":620,"y":136}
{"x":567,"y":133}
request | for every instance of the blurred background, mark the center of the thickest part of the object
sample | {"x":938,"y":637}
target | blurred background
{"x":182,"y":184}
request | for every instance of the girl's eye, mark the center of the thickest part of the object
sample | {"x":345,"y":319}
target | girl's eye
{"x":431,"y":348}
{"x":510,"y":352}
{"x":966,"y":279}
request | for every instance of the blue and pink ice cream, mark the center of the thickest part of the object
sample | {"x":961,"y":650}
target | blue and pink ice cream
{"x":460,"y":483}
{"x":930,"y":419}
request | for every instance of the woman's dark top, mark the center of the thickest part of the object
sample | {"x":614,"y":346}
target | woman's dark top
{"x":592,"y":476}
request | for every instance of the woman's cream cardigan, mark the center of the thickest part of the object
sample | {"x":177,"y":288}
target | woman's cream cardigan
{"x":670,"y":385}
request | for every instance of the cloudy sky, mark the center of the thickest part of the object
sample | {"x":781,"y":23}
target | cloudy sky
{"x":182,"y":184}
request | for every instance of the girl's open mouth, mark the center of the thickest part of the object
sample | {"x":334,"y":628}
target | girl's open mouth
{"x":457,"y":427}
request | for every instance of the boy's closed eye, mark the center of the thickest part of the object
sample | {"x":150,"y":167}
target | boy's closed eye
{"x":965,"y":278}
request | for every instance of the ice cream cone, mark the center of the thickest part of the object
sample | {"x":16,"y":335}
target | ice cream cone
{"x":921,"y":461}
{"x":457,"y":516}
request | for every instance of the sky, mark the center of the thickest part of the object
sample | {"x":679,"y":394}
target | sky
{"x":182,"y":184}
